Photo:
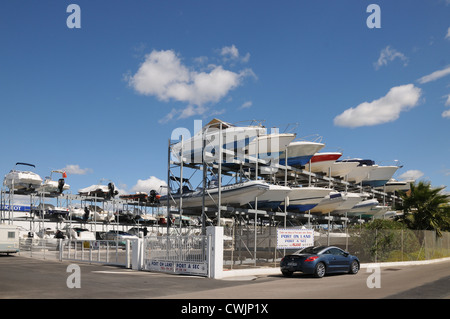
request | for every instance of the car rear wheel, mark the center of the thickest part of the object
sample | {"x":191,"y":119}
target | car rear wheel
{"x":354,"y":267}
{"x":320,"y":270}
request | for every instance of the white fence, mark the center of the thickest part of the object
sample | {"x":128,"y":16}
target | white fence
{"x":97,"y":251}
{"x":192,"y":255}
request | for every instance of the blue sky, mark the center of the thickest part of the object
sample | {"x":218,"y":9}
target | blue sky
{"x":102,"y":100}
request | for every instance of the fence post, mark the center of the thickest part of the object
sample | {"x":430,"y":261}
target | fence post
{"x":136,"y":253}
{"x":61,"y":248}
{"x":376,"y":244}
{"x":215,"y":260}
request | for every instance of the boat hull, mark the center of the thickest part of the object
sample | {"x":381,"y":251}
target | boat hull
{"x":19,"y":180}
{"x":351,"y":199}
{"x":342,"y":169}
{"x":379,"y":176}
{"x":306,"y":198}
{"x":329,"y":203}
{"x":300,"y":152}
{"x":52,"y":187}
{"x":269,"y":146}
{"x":393,"y":186}
{"x":322,"y":162}
{"x":363,"y":207}
{"x":233,"y":195}
{"x":234,"y":140}
{"x":359,"y":173}
{"x":272,"y":197}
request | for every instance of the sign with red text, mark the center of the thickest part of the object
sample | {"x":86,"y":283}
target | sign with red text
{"x":291,"y":238}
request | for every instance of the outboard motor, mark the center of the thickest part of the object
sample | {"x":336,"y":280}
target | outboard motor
{"x":86,"y":213}
{"x":154,"y":197}
{"x":61,"y":183}
{"x":112,"y":192}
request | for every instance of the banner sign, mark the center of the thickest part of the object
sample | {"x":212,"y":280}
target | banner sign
{"x":191,"y":268}
{"x":291,"y":238}
{"x":15,"y":208}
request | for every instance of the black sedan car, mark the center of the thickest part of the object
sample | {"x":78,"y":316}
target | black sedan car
{"x":319,"y":261}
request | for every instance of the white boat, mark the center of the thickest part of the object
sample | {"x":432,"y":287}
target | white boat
{"x":342,"y":169}
{"x":363,"y":207}
{"x":380,"y":211}
{"x":272,"y":197}
{"x":234,"y":140}
{"x":98,"y":214}
{"x":269,"y":146}
{"x":79,"y":233}
{"x":146,"y":218}
{"x":238,"y":194}
{"x":322,"y":162}
{"x":52,"y":186}
{"x":394,"y":185}
{"x":51,"y":211}
{"x":329,"y":203}
{"x":379,"y":176}
{"x":103,"y":191}
{"x":300,"y":152}
{"x":361,"y":171}
{"x":305,"y":198}
{"x":22,"y":180}
{"x":350,"y":200}
{"x":76,"y":212}
{"x":370,"y":174}
{"x":103,"y":216}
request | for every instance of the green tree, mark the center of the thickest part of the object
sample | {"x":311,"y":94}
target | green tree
{"x":425,"y":208}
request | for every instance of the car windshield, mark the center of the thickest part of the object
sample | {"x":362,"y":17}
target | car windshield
{"x":310,"y":250}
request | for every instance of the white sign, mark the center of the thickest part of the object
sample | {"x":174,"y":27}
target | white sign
{"x":294,"y":238}
{"x":191,"y":268}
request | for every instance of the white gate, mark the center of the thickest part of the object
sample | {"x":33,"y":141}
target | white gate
{"x":96,"y":251}
{"x":177,"y":254}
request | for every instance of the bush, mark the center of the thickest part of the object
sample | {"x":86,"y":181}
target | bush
{"x":385,"y":240}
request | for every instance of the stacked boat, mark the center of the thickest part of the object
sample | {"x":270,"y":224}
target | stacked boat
{"x":255,"y":142}
{"x":26,"y":181}
{"x":22,"y":180}
{"x":370,"y":174}
{"x":234,"y":147}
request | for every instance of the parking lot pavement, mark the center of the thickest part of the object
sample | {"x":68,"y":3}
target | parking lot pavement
{"x":28,"y":278}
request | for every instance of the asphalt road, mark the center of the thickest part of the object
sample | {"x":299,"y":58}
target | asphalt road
{"x":28,"y":278}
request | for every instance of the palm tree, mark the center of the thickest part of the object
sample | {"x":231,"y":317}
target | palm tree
{"x":425,"y":208}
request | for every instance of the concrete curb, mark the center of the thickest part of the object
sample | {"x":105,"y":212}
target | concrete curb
{"x":405,"y":263}
{"x":250,"y":274}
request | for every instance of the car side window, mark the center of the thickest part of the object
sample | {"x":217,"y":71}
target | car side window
{"x":336,"y":252}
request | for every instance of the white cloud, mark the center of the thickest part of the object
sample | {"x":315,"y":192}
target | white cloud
{"x":447,"y":103}
{"x":164,"y":76}
{"x":76,"y":170}
{"x":435,"y":75}
{"x":448,"y":34}
{"x":152,"y":183}
{"x":412,"y":174}
{"x":385,"y":109}
{"x":232,"y":53}
{"x":246,"y":105}
{"x":446,"y":114}
{"x":387,"y":55}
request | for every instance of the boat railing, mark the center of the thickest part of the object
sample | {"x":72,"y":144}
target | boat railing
{"x":316,"y":138}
